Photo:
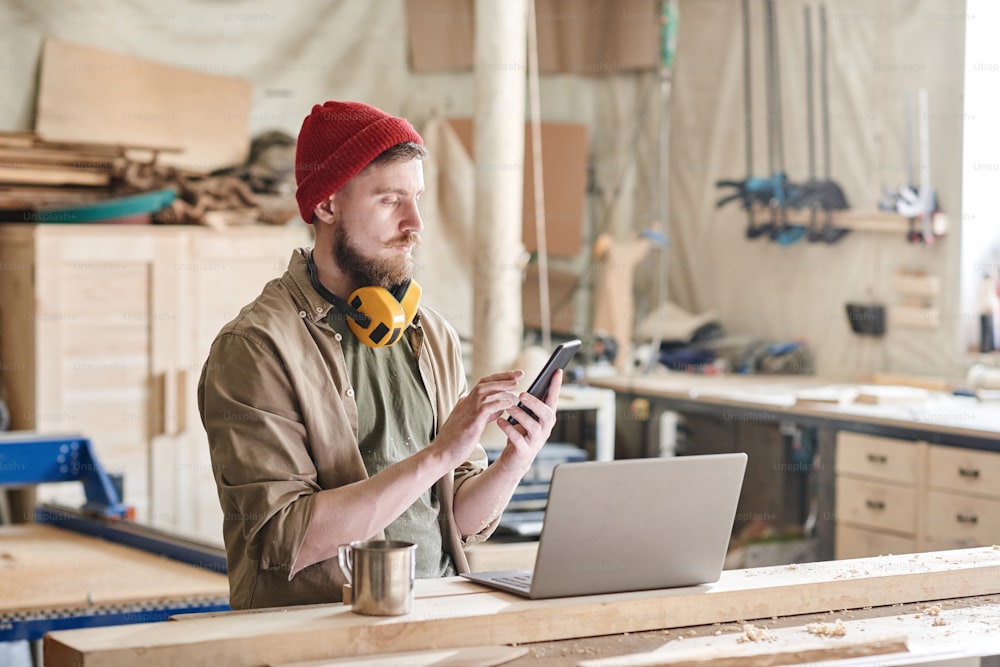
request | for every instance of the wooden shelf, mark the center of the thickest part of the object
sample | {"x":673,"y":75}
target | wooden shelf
{"x":862,"y":221}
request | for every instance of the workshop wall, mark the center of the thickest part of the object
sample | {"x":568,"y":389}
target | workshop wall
{"x":876,"y":51}
{"x":297,"y":55}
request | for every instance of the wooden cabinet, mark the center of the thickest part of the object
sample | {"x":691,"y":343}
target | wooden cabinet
{"x":963,"y":500}
{"x":103,"y":331}
{"x":897,"y":496}
{"x":879,"y":495}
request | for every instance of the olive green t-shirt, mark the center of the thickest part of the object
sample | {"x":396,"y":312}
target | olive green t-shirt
{"x":395,"y":419}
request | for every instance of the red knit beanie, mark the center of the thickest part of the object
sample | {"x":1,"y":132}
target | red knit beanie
{"x":337,"y":141}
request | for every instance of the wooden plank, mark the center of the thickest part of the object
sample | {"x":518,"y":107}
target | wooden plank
{"x":32,"y":140}
{"x":35,"y":156}
{"x":52,"y":175}
{"x":87,"y":94}
{"x":325,"y":631}
{"x":749,"y":655}
{"x":859,"y":221}
{"x":480,"y":656}
{"x":43,"y":568}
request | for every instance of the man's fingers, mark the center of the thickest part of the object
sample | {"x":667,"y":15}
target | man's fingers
{"x":502,"y":376}
{"x":552,"y":395}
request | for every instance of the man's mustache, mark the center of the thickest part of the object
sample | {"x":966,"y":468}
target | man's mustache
{"x":407,"y":238}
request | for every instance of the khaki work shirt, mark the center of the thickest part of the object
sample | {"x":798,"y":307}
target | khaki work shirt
{"x":278,"y":407}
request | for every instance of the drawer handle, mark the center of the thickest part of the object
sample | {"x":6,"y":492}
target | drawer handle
{"x":967,"y":518}
{"x":971,"y":473}
{"x":875,"y":504}
{"x":877,"y":458}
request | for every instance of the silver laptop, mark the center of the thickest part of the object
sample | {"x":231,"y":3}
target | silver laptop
{"x":631,"y":524}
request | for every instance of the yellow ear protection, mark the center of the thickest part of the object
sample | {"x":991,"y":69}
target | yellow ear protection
{"x":377,"y":316}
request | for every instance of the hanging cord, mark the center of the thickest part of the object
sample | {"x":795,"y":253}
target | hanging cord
{"x":668,"y":36}
{"x":534,"y":99}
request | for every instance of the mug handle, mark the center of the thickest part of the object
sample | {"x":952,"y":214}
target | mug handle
{"x":346,"y":559}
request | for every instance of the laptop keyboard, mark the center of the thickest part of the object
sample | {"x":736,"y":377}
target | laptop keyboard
{"x":516,"y":580}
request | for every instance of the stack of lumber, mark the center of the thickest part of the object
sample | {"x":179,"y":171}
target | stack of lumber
{"x":99,"y":146}
{"x":36,"y":174}
{"x":63,"y":181}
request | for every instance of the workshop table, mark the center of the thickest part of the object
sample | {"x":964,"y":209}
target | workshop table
{"x":52,"y":579}
{"x":807,"y":402}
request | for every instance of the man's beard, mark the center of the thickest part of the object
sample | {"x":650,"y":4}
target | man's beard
{"x":387,"y":273}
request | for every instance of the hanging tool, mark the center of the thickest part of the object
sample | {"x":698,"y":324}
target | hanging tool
{"x":782,"y":191}
{"x":823,"y":194}
{"x":752,"y":190}
{"x":928,"y":197}
{"x":915,"y":201}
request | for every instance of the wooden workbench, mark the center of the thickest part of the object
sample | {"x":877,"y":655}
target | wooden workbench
{"x":752,"y":412}
{"x":941,"y":418}
{"x":453,"y":613}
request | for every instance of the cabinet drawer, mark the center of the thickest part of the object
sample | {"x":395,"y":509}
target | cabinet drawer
{"x":854,"y":542}
{"x":962,"y":520}
{"x":964,"y":470}
{"x":882,"y":458}
{"x":876,"y":505}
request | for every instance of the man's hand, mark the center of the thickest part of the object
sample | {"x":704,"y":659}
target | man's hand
{"x":529,"y":434}
{"x":485,"y":402}
{"x":483,"y":497}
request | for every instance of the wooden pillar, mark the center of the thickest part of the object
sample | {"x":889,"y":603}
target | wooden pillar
{"x":500,"y":69}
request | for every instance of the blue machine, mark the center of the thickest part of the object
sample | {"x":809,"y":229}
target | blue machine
{"x":28,"y":458}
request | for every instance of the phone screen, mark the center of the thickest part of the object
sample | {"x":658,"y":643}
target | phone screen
{"x":540,"y":385}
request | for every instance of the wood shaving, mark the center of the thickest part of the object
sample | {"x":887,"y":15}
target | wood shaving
{"x":939,"y":621}
{"x":751,"y":633}
{"x":933,"y":611}
{"x":835,"y":629}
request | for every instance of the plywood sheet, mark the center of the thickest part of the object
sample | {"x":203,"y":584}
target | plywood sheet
{"x":325,"y":631}
{"x":45,"y":568}
{"x":563,"y":286}
{"x":590,"y":38}
{"x":87,"y":94}
{"x":564,"y":178}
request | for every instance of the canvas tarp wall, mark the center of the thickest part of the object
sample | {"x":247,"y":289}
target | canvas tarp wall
{"x":877,"y":51}
{"x":298,"y":55}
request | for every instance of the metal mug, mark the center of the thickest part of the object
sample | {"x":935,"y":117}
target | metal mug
{"x":381,"y":574}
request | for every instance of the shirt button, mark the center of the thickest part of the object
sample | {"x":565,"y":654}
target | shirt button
{"x":350,"y":392}
{"x":302,"y":313}
{"x":319,"y":309}
{"x":337,"y":337}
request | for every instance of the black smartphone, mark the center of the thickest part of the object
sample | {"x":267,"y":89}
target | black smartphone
{"x":540,"y":385}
